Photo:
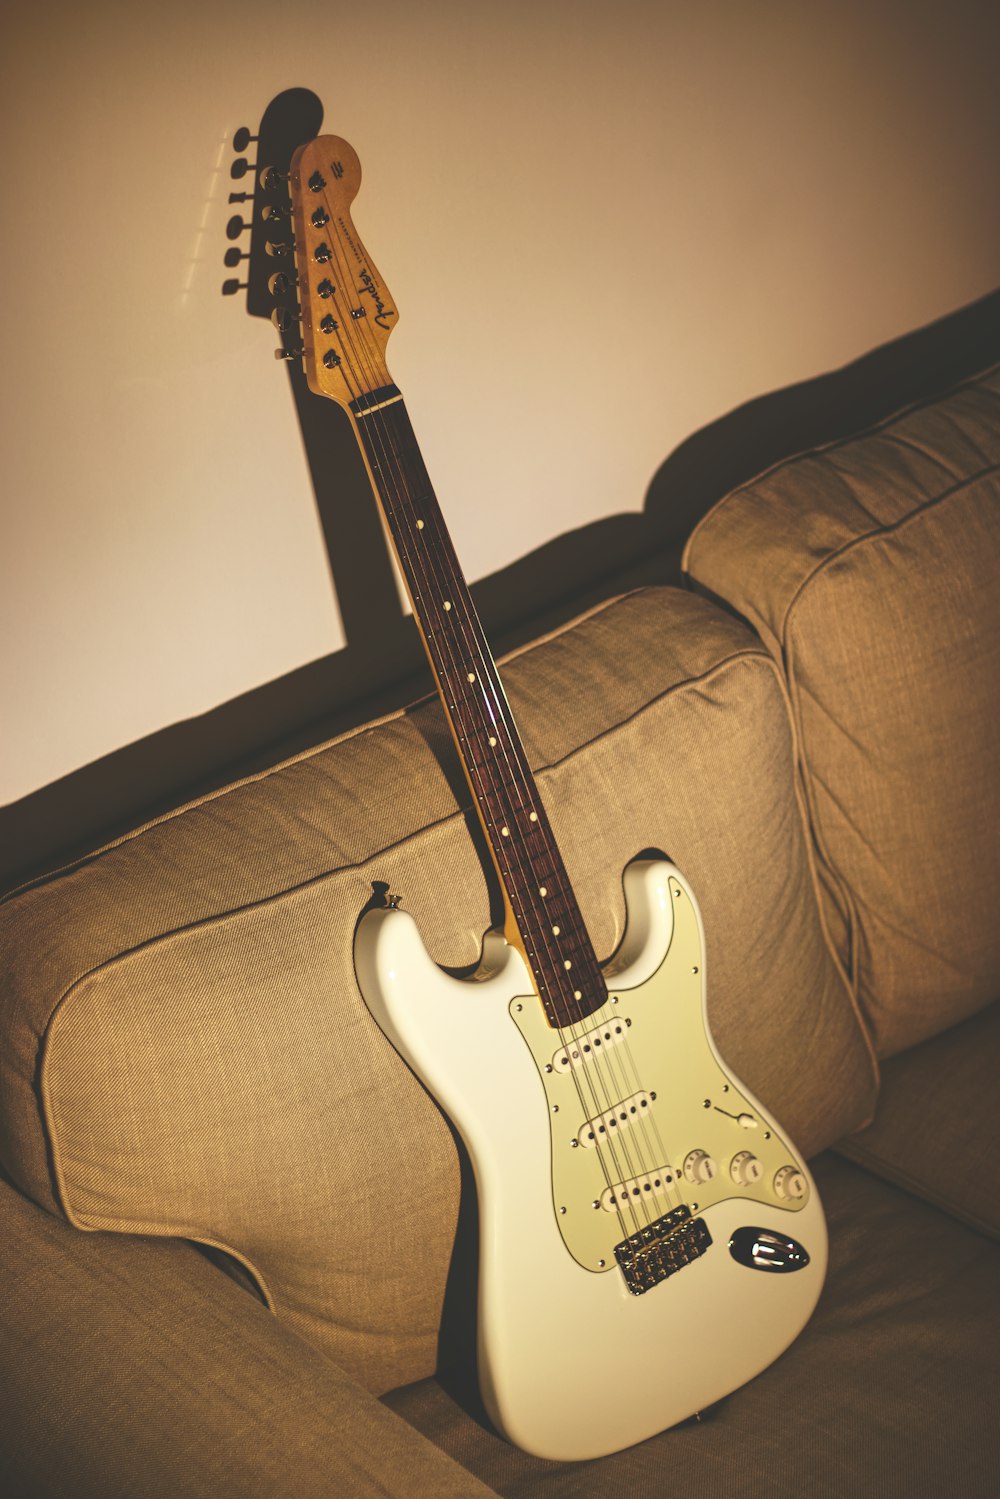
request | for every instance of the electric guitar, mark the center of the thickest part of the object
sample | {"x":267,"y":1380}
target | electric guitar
{"x":649,"y":1240}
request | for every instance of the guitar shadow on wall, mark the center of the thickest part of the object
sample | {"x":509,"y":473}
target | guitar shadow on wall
{"x":382,"y":665}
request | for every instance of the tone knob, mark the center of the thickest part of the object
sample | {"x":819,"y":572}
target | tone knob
{"x":790,"y":1184}
{"x":745,"y":1169}
{"x":699,"y":1166}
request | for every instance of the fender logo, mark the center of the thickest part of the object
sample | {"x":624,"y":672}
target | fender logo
{"x":382,"y":313}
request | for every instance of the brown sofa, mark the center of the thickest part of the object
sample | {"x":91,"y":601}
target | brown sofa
{"x":272,"y":1293}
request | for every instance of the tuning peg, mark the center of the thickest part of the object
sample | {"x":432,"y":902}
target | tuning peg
{"x":231,"y":287}
{"x":276,"y":211}
{"x":240,"y":167}
{"x":281,"y":248}
{"x":233,"y":257}
{"x":242,"y":138}
{"x":270,"y":178}
{"x":288,"y":353}
{"x":283,"y":318}
{"x":281,"y":282}
{"x":236,"y":226}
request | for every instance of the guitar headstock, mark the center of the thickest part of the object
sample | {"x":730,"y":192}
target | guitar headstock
{"x":347,"y":311}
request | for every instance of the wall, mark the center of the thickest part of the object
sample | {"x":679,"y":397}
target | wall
{"x":605,"y":227}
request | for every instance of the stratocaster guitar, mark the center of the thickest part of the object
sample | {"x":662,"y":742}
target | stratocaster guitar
{"x":649,"y":1238}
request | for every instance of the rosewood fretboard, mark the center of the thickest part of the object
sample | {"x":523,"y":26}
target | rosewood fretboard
{"x":547,"y":923}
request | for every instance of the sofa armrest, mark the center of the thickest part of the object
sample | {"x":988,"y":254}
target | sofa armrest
{"x":134,"y":1368}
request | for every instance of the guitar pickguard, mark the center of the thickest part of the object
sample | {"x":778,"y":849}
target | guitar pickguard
{"x":641,"y":1109}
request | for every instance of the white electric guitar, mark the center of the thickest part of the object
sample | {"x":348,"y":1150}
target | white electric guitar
{"x":649,"y":1238}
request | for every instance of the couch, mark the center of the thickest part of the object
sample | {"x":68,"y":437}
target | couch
{"x":238,"y":1237}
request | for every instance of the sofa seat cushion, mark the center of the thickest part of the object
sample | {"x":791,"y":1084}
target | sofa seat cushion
{"x":890,"y":1390}
{"x":184,"y":1050}
{"x":133,"y":1368}
{"x":932,"y":1131}
{"x":870,"y":568}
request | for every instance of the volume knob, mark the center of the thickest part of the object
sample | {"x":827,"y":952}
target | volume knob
{"x":790,"y":1184}
{"x":699,"y":1166}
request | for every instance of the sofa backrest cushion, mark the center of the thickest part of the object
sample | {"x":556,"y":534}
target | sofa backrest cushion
{"x":872,"y":570}
{"x":184,"y":1048}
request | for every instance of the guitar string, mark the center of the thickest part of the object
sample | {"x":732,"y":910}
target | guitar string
{"x":591,"y":1069}
{"x":464,"y":712}
{"x":653,"y":1161}
{"x":381,"y":462}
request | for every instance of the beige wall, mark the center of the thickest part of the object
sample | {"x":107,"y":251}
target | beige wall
{"x":605,"y":225}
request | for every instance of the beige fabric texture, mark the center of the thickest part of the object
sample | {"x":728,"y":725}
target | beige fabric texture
{"x":890,"y":1392}
{"x":185,"y":1005}
{"x":931,"y":1133}
{"x":871,"y":569}
{"x":133,"y":1369}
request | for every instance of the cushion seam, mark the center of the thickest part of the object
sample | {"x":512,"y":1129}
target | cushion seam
{"x":49,"y":1031}
{"x":899,"y":1177}
{"x":814,"y":854}
{"x":462,"y":811}
{"x":815,"y":821}
{"x":877,"y":533}
{"x":132,"y":834}
{"x":968,"y":382}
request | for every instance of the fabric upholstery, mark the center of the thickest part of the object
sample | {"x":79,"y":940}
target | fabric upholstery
{"x":870,"y":567}
{"x":133,"y":1369}
{"x":932,"y":1132}
{"x":184,"y":1003}
{"x":891,"y":1389}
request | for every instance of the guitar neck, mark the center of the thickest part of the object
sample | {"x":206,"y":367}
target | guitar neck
{"x":542,"y":916}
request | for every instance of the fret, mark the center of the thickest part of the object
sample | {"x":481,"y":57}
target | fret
{"x":545,"y":916}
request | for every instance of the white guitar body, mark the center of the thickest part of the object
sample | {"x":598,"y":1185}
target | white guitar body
{"x":572,"y":1363}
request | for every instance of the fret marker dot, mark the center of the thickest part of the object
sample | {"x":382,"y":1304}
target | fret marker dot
{"x":492,"y":742}
{"x":556,"y":930}
{"x":420,"y":525}
{"x":447,"y":606}
{"x":577,"y":993}
{"x":533,"y":817}
{"x":543,"y":892}
{"x":567,"y":964}
{"x":472,"y":676}
{"x":505,"y":832}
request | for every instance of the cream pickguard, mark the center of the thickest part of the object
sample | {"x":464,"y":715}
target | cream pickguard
{"x":572,"y":1364}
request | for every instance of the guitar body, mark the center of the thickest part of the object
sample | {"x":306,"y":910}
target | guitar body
{"x":574,"y":1363}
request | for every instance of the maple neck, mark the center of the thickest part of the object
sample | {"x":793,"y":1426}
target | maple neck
{"x":543,"y":918}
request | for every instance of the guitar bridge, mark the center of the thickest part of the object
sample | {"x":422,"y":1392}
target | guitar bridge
{"x":660,"y":1249}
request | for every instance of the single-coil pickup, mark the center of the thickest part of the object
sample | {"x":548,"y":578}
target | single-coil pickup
{"x":588,"y":1047}
{"x":606,"y":1126}
{"x":652,"y":1184}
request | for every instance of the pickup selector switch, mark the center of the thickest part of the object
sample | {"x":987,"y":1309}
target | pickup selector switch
{"x":745,"y":1169}
{"x":698,"y":1166}
{"x":790,"y":1184}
